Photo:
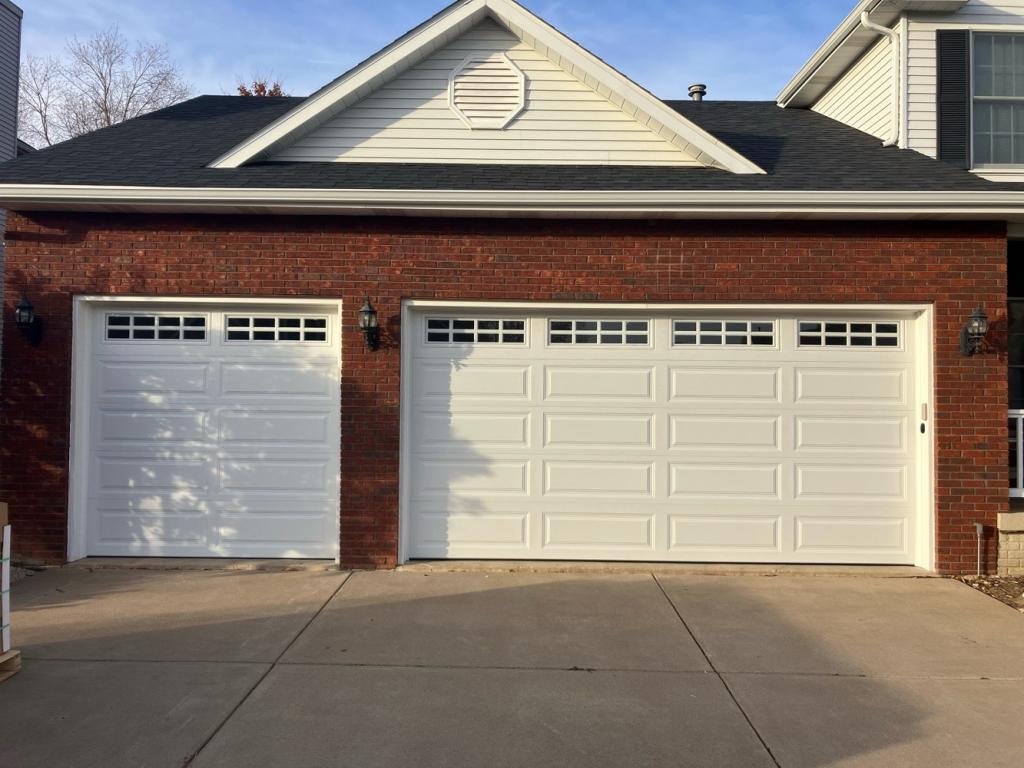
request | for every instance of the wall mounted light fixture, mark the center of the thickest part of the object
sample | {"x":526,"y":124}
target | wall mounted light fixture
{"x":30,"y":325}
{"x":973,"y":333}
{"x":370,"y":326}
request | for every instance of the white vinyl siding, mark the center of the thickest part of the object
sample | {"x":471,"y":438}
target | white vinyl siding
{"x":988,"y":15}
{"x":10,"y":56}
{"x":863,"y":97}
{"x":410,"y":119}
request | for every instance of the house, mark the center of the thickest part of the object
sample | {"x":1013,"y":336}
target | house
{"x":483,"y":296}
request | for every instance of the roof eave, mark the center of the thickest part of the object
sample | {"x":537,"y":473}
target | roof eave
{"x":999,"y":205}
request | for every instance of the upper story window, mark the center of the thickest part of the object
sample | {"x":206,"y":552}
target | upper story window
{"x":998,"y":87}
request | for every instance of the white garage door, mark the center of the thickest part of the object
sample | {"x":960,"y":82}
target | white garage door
{"x":739,"y":436}
{"x":213,"y":432}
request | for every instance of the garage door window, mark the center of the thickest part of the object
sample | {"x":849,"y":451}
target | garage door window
{"x":453,"y":330}
{"x":270,"y":328}
{"x":854,"y":334}
{"x":717,"y":333}
{"x":156,"y":328}
{"x":606,"y":332}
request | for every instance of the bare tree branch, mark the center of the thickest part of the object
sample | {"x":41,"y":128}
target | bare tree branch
{"x":100,"y":82}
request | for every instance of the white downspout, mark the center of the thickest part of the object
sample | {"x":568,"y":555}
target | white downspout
{"x":894,"y":44}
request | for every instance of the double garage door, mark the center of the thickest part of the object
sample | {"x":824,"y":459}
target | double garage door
{"x":746,"y":435}
{"x":211,"y":431}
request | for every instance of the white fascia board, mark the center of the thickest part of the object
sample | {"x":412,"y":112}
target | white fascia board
{"x":994,"y":205}
{"x":847,"y":43}
{"x":425,"y":39}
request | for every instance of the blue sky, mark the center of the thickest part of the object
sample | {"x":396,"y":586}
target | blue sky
{"x":744,"y":49}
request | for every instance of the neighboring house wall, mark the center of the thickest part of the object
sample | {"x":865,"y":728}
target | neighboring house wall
{"x":564,"y":121}
{"x":10,"y":63}
{"x":863,"y":97}
{"x":993,"y":15}
{"x":956,"y":266}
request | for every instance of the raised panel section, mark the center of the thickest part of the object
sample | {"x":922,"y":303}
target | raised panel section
{"x":484,"y":530}
{"x":610,"y":431}
{"x":167,"y":528}
{"x":607,"y":532}
{"x":305,"y":379}
{"x":851,"y":482}
{"x":850,"y":433}
{"x":153,"y":474}
{"x":851,"y":385}
{"x":725,"y":383}
{"x":153,"y":378}
{"x":725,"y":532}
{"x":758,"y":481}
{"x":597,"y":383}
{"x":452,"y":382}
{"x":440,"y":478}
{"x":256,"y":474}
{"x":832,"y":534}
{"x":598,"y":479}
{"x":152,"y":426}
{"x":278,"y":427}
{"x":724,"y":432}
{"x":465,"y":430}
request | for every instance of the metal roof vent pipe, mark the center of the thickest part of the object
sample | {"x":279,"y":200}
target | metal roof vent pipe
{"x":698,"y":91}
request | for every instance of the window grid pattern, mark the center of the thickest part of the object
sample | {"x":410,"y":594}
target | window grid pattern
{"x":998,"y":74}
{"x":852,"y":334}
{"x":148,"y":327}
{"x":453,"y":330}
{"x":606,"y":332}
{"x":257,"y":328}
{"x":715,"y":333}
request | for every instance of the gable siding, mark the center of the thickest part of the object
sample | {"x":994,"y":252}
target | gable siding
{"x":922,"y":126}
{"x":10,"y":57}
{"x":409,"y":119}
{"x":862,"y":98}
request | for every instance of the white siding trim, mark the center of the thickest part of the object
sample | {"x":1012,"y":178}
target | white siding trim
{"x":547,"y":41}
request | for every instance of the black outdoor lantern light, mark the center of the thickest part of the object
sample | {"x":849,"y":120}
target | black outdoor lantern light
{"x":369,"y":325}
{"x":973,"y":333}
{"x":27,"y":321}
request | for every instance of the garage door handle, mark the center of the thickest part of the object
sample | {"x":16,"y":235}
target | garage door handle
{"x":923,"y":430}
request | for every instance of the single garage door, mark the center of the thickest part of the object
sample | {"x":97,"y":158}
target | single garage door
{"x":212,"y":431}
{"x":691,"y":436}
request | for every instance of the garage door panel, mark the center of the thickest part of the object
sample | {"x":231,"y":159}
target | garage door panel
{"x":593,"y":479}
{"x":455,"y":382}
{"x":585,"y":384}
{"x":246,"y":426}
{"x":155,"y":426}
{"x":305,"y":379}
{"x":851,"y":483}
{"x":852,"y":433}
{"x":726,"y":481}
{"x":725,"y":432}
{"x":610,"y":431}
{"x":725,"y":383}
{"x":447,"y":430}
{"x":118,"y":528}
{"x":673,"y":450}
{"x":866,"y":534}
{"x":148,"y":379}
{"x":157,"y":474}
{"x":605,"y":531}
{"x":834,"y":386}
{"x":252,"y":474}
{"x":750,"y":533}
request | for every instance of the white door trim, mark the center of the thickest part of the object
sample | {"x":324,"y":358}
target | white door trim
{"x":81,"y":355}
{"x":924,"y":554}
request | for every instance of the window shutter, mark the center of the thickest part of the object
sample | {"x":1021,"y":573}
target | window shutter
{"x":954,"y":96}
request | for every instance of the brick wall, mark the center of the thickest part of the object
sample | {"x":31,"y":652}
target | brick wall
{"x":52,"y":257}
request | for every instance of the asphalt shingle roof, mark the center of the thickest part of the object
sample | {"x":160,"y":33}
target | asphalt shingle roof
{"x":799,"y":149}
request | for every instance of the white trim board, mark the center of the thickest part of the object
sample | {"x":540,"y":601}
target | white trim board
{"x":450,"y":24}
{"x":81,"y":394}
{"x":986,"y":205}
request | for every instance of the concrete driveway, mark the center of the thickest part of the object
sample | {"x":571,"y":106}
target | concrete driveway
{"x":320,"y":668}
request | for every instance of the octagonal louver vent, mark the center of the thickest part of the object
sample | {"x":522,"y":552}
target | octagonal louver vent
{"x":487,"y":91}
